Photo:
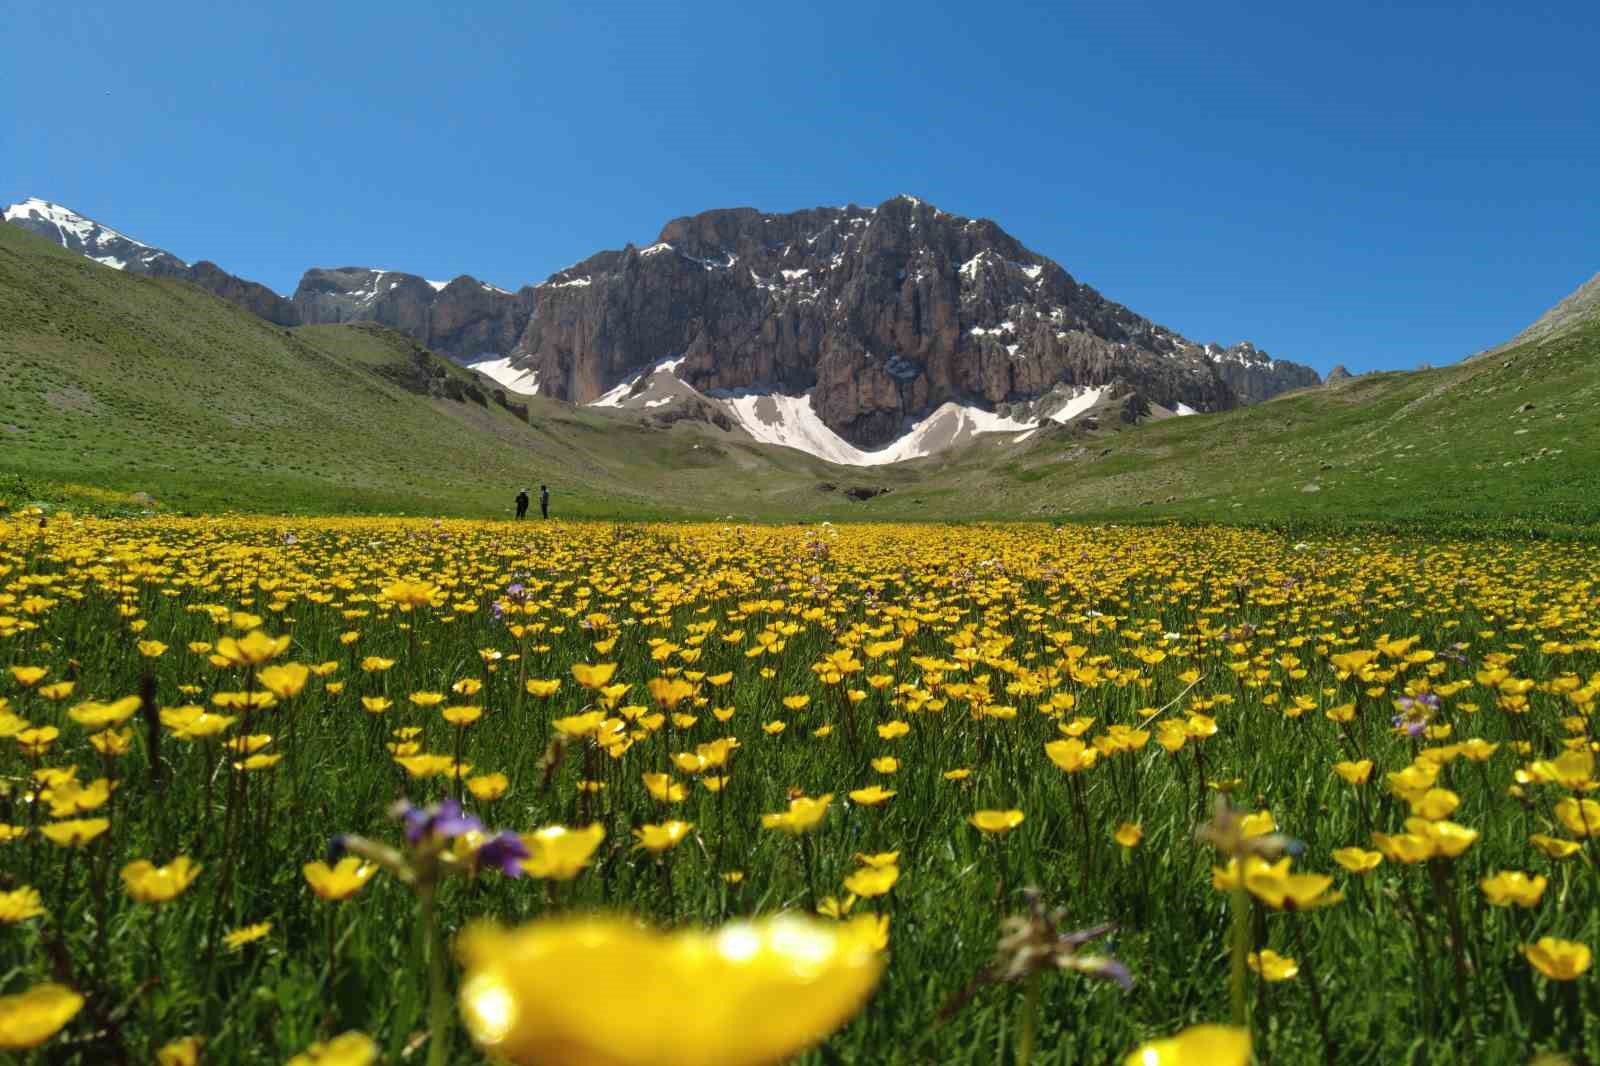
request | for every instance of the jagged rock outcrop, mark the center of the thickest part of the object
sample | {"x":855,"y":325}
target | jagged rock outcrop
{"x":1254,"y":376}
{"x":881,"y":313}
{"x":463,"y":318}
{"x":1337,"y":374}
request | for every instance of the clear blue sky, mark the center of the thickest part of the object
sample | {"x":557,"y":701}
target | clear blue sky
{"x":1373,"y":183}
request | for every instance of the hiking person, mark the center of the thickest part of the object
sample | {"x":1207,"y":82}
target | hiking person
{"x":522,"y":504}
{"x":544,"y":501}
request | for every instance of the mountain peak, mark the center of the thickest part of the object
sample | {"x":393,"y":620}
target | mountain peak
{"x":81,"y":234}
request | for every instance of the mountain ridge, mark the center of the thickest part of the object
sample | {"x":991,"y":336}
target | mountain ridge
{"x":878,"y":317}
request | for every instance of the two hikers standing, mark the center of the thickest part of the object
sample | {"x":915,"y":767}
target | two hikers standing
{"x":544,"y":502}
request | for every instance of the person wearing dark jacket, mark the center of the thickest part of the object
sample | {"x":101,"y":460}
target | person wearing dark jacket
{"x":544,"y":501}
{"x":522,"y":504}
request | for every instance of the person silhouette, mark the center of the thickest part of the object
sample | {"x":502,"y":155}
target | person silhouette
{"x":522,"y":504}
{"x":544,"y":501}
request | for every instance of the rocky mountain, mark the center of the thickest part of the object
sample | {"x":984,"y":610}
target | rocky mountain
{"x":879,"y":314}
{"x":106,"y":246}
{"x":465,"y":319}
{"x":872,"y":333}
{"x":1337,"y":374}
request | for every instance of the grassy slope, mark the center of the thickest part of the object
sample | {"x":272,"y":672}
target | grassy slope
{"x":1441,"y":444}
{"x":126,"y":383}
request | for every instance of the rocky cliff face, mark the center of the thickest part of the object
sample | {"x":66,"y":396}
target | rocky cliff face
{"x":463,"y":318}
{"x":1254,"y":376}
{"x":881,"y":313}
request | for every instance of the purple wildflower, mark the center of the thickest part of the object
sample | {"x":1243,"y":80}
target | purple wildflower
{"x":504,"y":852}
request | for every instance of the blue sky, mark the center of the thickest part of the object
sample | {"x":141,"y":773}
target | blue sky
{"x":1375,"y":184}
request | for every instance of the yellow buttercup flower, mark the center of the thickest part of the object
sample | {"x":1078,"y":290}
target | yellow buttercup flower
{"x":253,"y":649}
{"x":486,"y":788}
{"x":872,"y":881}
{"x":184,"y":1051}
{"x":663,"y":789}
{"x":1512,"y":887}
{"x":1128,"y":834}
{"x":411,"y":594}
{"x":28,"y":676}
{"x":30,"y":1018}
{"x":1272,"y":966}
{"x":286,"y":681}
{"x":1581,"y":817}
{"x":76,"y":832}
{"x":805,"y":813}
{"x":593,"y":675}
{"x":996,"y":822}
{"x":347,"y":1049}
{"x":557,"y":853}
{"x":148,"y":883}
{"x":1555,"y":847}
{"x":340,"y":881}
{"x":461,"y":717}
{"x":871,"y":796}
{"x":1200,"y":1045}
{"x":661,"y":838}
{"x":1071,"y":755}
{"x":1357,"y":860}
{"x":19,"y":905}
{"x":1559,"y":960}
{"x":248,"y":934}
{"x":744,"y":994}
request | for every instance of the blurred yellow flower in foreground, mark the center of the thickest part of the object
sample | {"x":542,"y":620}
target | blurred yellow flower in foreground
{"x":747,"y":993}
{"x":32,"y":1017}
{"x":1200,"y":1045}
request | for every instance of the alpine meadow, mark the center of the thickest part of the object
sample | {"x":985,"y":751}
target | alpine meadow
{"x":827,"y":632}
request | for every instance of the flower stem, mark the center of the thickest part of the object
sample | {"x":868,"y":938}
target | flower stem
{"x":1239,"y":902}
{"x":1028,"y":1022}
{"x":438,"y":994}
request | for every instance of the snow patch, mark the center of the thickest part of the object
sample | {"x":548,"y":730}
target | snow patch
{"x":499,"y":368}
{"x":791,"y":422}
{"x":656,"y":249}
{"x":1080,"y":402}
{"x":438,"y":286}
{"x":1184,"y":409}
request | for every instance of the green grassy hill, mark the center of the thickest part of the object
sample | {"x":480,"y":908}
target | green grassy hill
{"x":113,"y":385}
{"x":1513,"y":435}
